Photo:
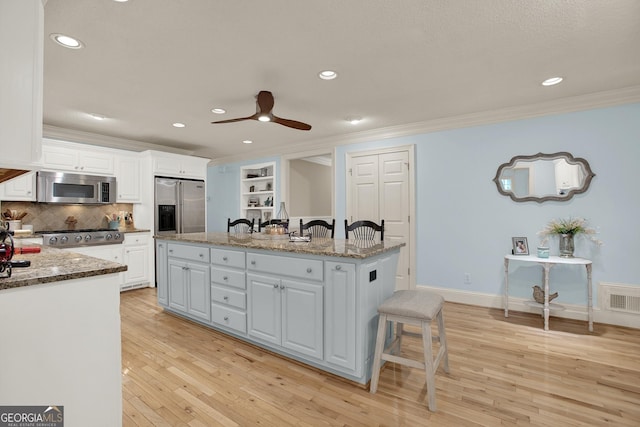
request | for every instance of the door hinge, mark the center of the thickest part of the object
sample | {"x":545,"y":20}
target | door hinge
{"x":409,"y":271}
{"x":350,"y":171}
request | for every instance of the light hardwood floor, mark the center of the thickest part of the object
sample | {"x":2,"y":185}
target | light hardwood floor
{"x":504,"y":372}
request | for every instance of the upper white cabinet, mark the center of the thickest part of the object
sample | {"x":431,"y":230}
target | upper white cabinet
{"x":78,"y":158}
{"x":128,"y":177}
{"x":21,"y":22}
{"x":21,"y":188}
{"x":179,"y":166}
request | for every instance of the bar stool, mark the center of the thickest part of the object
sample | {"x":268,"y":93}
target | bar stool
{"x":417,"y":307}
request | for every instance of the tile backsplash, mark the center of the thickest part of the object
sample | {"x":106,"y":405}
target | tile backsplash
{"x":45,"y":216}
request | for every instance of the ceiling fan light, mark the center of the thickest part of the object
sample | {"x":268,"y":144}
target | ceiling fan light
{"x":327,"y":75}
{"x":552,"y":81}
{"x":66,"y":41}
{"x":264,"y":118}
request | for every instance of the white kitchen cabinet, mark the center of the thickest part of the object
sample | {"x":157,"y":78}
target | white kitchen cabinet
{"x":162,"y":281}
{"x":257,"y":192}
{"x":189,"y":288}
{"x":189,"y":283}
{"x":128,"y":177}
{"x":286,"y":313}
{"x":62,"y":156}
{"x":107,"y":252}
{"x":340,"y":314}
{"x":21,"y":188}
{"x":21,"y":76}
{"x":136,"y":256}
{"x":228,"y":290}
{"x":179,"y":166}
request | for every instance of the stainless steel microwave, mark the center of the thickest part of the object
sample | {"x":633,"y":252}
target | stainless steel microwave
{"x":71,"y":188}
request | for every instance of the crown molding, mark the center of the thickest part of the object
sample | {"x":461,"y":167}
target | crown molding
{"x":591,"y":101}
{"x":71,"y":135}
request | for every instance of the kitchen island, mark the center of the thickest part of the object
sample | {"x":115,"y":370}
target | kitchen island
{"x":315,"y":302}
{"x":60,"y":335}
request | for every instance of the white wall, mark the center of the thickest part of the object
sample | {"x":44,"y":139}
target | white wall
{"x":465,"y":226}
{"x":310,"y":189}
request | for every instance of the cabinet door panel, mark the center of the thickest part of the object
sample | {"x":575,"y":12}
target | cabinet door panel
{"x":161,"y":273}
{"x":264,"y":308}
{"x":340,"y":314}
{"x":302,"y":328}
{"x":177,"y":286}
{"x":199,"y":291}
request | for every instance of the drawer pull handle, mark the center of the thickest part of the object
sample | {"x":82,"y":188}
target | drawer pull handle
{"x":281,"y":286}
{"x":226,"y":318}
{"x":201,"y":255}
{"x":170,"y":251}
{"x":253,"y":262}
{"x":309,"y":270}
{"x":226,"y":298}
{"x":225,"y":259}
{"x":225,"y":278}
{"x":338,"y":267}
{"x":275,"y":286}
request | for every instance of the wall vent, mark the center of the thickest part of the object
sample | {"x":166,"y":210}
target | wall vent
{"x":622,"y":298}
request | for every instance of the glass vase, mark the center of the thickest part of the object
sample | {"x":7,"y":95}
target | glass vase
{"x":566,"y":246}
{"x":283,"y":216}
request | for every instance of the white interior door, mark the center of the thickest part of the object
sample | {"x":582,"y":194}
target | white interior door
{"x":380,"y":188}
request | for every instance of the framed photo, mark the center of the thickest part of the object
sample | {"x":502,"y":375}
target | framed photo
{"x":267,"y":216}
{"x":520,"y":246}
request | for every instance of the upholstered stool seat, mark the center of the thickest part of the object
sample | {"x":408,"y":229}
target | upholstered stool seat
{"x":418,"y":307}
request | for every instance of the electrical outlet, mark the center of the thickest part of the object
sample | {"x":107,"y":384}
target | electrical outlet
{"x":467,"y":278}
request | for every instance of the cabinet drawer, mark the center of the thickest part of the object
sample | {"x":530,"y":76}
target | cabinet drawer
{"x":228,"y":277}
{"x":136,"y":238}
{"x":302,"y":268}
{"x":228,"y":296}
{"x":191,"y":253}
{"x":227,"y":258}
{"x":229,"y":317}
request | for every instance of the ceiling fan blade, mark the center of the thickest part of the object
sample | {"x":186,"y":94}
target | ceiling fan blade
{"x":291,"y":123}
{"x":254,"y":117}
{"x":264,"y":102}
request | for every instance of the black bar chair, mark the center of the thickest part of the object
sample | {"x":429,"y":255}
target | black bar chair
{"x":241,"y":225}
{"x":318,"y":228}
{"x":364,"y":230}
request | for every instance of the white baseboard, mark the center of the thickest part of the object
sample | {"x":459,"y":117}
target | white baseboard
{"x":571,"y":311}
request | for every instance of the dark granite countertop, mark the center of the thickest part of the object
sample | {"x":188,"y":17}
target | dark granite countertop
{"x":323,"y":247}
{"x":53,"y":265}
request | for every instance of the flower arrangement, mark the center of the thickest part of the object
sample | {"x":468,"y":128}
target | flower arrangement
{"x":571,"y":226}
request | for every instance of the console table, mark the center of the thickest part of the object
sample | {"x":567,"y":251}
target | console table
{"x":546,"y":264}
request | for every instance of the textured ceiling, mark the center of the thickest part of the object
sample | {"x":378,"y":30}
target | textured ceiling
{"x":149,"y":63}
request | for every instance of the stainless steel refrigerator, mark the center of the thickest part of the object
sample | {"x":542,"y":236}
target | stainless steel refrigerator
{"x":179,"y":206}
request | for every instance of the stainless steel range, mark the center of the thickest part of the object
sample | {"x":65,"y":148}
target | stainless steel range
{"x":77,"y":238}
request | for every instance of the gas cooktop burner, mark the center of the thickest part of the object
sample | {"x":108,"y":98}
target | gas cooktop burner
{"x":84,"y":237}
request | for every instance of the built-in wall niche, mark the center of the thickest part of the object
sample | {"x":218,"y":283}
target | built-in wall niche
{"x":310,"y":186}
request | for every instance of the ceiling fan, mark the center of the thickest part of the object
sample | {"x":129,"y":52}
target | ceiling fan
{"x":264,"y":105}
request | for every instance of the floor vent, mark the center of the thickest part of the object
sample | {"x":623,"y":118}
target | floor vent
{"x":621,"y":298}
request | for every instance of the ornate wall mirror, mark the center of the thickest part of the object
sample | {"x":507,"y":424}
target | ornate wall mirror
{"x":542,"y":177}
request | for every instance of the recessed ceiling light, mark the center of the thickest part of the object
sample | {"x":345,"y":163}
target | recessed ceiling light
{"x":354,"y":120}
{"x":178,"y":125}
{"x":247,"y":141}
{"x":218,"y":110}
{"x":97,"y":116}
{"x":121,"y":1}
{"x":552,"y":81}
{"x":66,"y":41}
{"x":327,"y":75}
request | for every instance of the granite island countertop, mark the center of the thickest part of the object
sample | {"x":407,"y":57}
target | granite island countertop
{"x":359,"y":249}
{"x":53,"y":265}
